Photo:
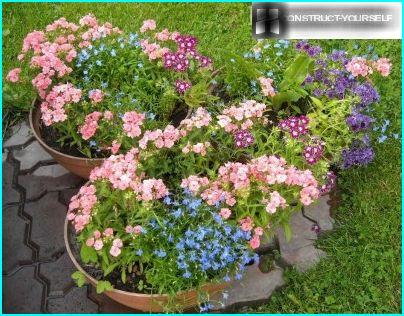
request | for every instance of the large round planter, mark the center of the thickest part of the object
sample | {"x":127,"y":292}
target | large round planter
{"x":143,"y":302}
{"x":79,"y":166}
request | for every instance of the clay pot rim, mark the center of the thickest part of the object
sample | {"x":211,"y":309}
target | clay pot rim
{"x":38,"y":137}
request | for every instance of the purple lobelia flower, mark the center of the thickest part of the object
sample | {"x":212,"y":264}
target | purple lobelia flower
{"x":357,"y":156}
{"x":359,"y":122}
{"x":182,"y":86}
{"x":243,"y":138}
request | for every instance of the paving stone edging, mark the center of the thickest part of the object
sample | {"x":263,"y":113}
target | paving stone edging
{"x":36,"y":267}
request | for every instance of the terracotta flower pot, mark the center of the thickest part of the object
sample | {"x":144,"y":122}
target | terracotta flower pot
{"x":143,"y":302}
{"x":79,"y":166}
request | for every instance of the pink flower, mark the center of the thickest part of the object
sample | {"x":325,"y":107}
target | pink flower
{"x":98,"y":244}
{"x":276,"y":201}
{"x":115,"y":251}
{"x":266,"y":86}
{"x":358,"y":66}
{"x":108,"y":232}
{"x":90,"y":126}
{"x":255,"y":242}
{"x":14,"y":75}
{"x":194,"y":183}
{"x":383,"y":66}
{"x":148,"y":25}
{"x":108,"y":115}
{"x":129,"y":229}
{"x":163,"y":36}
{"x":117,"y":243}
{"x":225,"y":213}
{"x":246,"y":224}
{"x":90,"y":242}
{"x":259,"y":231}
{"x":95,"y":95}
{"x":115,"y":147}
{"x":97,"y":234}
{"x":132,"y":122}
{"x":152,"y":189}
{"x":137,"y":229}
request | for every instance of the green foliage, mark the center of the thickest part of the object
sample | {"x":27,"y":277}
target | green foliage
{"x":79,"y":278}
{"x":103,"y":286}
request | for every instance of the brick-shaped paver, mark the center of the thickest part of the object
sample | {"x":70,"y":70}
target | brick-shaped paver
{"x":10,"y":193}
{"x":255,"y":287}
{"x":22,"y":292}
{"x":75,"y":301}
{"x":320,"y":211}
{"x":15,"y":251}
{"x":21,"y":134}
{"x":30,"y":155}
{"x":58,"y":275}
{"x":53,"y":171}
{"x":48,"y":216}
{"x":36,"y":186}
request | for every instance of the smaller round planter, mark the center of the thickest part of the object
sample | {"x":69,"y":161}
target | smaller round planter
{"x":143,"y":302}
{"x":79,"y":166}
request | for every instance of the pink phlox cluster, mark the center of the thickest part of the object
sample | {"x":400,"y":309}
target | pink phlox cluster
{"x":235,"y":173}
{"x":95,"y":95}
{"x":383,"y":66}
{"x":163,"y":36}
{"x":266,"y":86}
{"x":199,"y":119}
{"x":198,"y":148}
{"x":194,"y":183}
{"x":358,"y":66}
{"x":132,"y":122}
{"x":137,"y":230}
{"x":80,"y":207}
{"x":53,"y":107}
{"x":295,"y":125}
{"x":88,"y":129}
{"x":241,"y":117}
{"x":275,"y":201}
{"x":122,"y":172}
{"x":148,"y":25}
{"x":160,"y":138}
{"x":14,"y":75}
{"x":153,"y":50}
{"x":62,"y":24}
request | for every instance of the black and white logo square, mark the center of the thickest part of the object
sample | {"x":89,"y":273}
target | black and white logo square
{"x":267,"y":20}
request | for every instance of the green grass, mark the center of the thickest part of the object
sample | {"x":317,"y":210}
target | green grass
{"x":362,"y":273}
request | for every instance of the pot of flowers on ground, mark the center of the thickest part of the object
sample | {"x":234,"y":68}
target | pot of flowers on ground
{"x":321,"y":100}
{"x":171,"y":221}
{"x":97,"y":85}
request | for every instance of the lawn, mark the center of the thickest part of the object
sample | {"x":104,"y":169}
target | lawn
{"x":362,"y":273}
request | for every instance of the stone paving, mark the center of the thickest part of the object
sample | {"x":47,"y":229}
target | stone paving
{"x":37,"y":269}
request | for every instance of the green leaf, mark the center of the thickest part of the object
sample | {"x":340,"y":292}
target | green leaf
{"x":104,"y":286}
{"x":285,"y":96}
{"x":79,"y":278}
{"x":317,"y":102}
{"x":110,"y":268}
{"x":296,"y":72}
{"x":288,"y":231}
{"x":88,"y":254}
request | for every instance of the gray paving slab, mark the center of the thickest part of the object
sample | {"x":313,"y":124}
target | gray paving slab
{"x":48,"y":216}
{"x":22,"y":292}
{"x":75,"y":301}
{"x":20,"y":135}
{"x":30,"y":155}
